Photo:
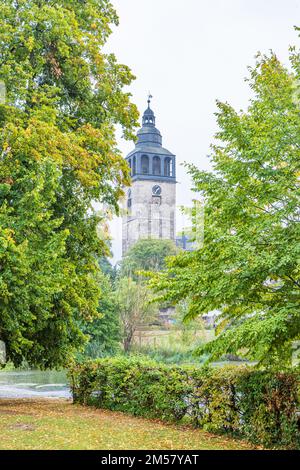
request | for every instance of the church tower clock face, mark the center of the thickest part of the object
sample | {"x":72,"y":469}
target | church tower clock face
{"x":150,"y":205}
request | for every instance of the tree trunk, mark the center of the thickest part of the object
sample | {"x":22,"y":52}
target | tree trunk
{"x":127,"y":342}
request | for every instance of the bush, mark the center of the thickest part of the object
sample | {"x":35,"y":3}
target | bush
{"x":258,"y":405}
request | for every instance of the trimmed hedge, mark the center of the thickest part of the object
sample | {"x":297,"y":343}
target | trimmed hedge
{"x":257,"y":405}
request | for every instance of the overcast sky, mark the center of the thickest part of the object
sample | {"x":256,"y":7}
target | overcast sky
{"x":188,"y":54}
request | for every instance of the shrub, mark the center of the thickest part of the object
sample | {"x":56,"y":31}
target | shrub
{"x":258,"y":405}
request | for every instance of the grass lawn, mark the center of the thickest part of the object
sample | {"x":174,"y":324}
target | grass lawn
{"x":58,"y":424}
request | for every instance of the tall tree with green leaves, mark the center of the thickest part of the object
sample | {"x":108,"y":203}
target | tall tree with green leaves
{"x":248,"y":267}
{"x":58,"y":154}
{"x":134,"y":301}
{"x":104,"y":332}
{"x":147,"y":255}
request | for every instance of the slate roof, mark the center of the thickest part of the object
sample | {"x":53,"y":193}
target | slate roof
{"x":145,"y":148}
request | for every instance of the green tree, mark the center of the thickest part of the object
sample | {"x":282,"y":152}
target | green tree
{"x":147,"y":255}
{"x":135,"y":306}
{"x":107,"y":268}
{"x":191,"y":331}
{"x":105,"y":331}
{"x":58,"y":155}
{"x":248,"y":267}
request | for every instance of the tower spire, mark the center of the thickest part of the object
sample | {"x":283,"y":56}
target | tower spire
{"x":151,"y":202}
{"x":149,"y":117}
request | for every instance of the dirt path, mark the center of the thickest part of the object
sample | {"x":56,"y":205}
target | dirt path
{"x":58,"y":424}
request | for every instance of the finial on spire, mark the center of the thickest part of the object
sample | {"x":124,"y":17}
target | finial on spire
{"x":149,"y":117}
{"x":149,"y":99}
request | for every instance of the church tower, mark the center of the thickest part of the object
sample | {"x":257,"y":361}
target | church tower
{"x":150,"y":203}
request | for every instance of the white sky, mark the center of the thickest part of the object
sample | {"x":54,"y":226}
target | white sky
{"x":188,"y":54}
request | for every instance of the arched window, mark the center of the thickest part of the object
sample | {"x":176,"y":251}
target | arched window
{"x":145,"y":164}
{"x":148,"y":120}
{"x":168,"y":170}
{"x":133,"y":166}
{"x":156,"y":166}
{"x":130,"y":165}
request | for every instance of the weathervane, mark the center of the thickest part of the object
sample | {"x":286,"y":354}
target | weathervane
{"x":149,"y":99}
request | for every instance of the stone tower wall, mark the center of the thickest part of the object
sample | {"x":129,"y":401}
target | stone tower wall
{"x":149,"y":216}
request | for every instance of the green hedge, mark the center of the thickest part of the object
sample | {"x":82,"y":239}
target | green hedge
{"x":258,"y":405}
